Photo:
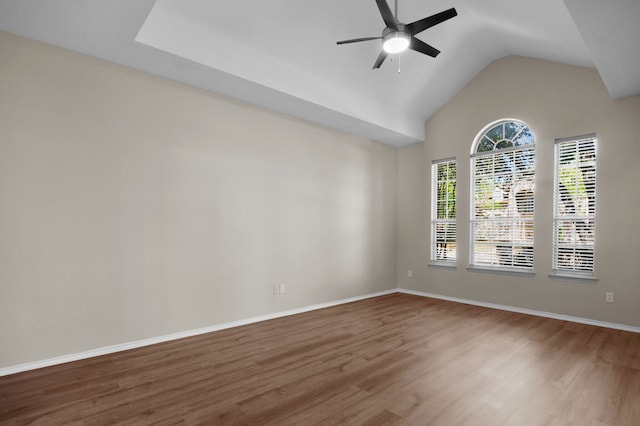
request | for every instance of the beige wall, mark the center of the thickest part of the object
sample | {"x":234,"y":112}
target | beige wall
{"x":133,"y":207}
{"x":556,"y":101}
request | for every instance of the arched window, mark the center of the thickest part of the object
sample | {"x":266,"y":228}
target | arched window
{"x":502,"y":196}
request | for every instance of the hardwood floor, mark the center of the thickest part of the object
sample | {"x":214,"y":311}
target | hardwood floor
{"x":396,"y":359}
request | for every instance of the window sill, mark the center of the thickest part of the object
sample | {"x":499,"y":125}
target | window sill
{"x":573,"y":276}
{"x":501,"y":271}
{"x":443,"y":265}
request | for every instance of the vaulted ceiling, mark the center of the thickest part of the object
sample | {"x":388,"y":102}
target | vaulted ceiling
{"x":282,"y":54}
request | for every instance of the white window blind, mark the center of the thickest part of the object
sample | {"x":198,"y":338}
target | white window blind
{"x":443,"y":211}
{"x":574,"y":205}
{"x":502,"y":199}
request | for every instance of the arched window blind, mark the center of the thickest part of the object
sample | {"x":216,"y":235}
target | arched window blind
{"x":502,"y":197}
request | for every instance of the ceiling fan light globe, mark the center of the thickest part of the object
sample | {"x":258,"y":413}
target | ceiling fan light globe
{"x":396,"y":42}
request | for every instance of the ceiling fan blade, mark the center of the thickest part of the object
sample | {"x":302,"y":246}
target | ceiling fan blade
{"x":422,"y":24}
{"x":380,"y":60}
{"x":422,"y":47}
{"x":387,"y":16}
{"x":356,"y":40}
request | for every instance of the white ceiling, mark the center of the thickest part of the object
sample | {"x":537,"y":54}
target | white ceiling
{"x":281,"y":54}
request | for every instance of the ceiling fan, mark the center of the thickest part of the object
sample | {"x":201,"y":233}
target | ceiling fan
{"x":398,"y":37}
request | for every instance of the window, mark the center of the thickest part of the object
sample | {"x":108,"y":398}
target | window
{"x":574,"y":206}
{"x":443,"y":211}
{"x":502,"y":197}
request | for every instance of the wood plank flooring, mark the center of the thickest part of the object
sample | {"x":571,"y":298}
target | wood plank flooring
{"x":395,"y":359}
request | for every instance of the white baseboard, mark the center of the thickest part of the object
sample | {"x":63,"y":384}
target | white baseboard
{"x":152,"y":341}
{"x":160,"y":339}
{"x":525,"y":311}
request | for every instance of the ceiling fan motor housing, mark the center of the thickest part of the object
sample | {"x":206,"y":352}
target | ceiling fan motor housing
{"x":395,"y":41}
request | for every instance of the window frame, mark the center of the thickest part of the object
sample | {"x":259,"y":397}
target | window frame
{"x":518,"y":254}
{"x":448,"y":222}
{"x":560,"y":217}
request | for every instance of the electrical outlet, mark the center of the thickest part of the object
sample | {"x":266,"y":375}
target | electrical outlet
{"x":410,"y":273}
{"x":282,"y":289}
{"x":608,"y":297}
